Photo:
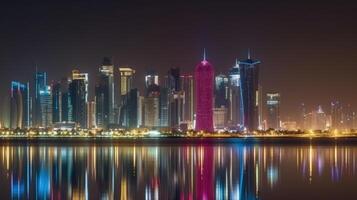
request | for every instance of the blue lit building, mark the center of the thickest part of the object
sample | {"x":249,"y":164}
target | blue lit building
{"x":249,"y":93}
{"x":20,"y":107}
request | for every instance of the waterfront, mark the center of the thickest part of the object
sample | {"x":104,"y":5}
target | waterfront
{"x":179,"y":169}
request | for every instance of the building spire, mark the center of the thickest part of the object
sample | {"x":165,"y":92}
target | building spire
{"x":204,"y":54}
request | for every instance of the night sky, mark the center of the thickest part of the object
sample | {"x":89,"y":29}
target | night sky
{"x":307,"y":49}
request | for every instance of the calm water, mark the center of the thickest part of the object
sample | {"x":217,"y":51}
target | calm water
{"x":181,"y":171}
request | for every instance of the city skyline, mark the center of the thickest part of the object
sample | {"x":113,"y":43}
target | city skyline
{"x":289,"y":38}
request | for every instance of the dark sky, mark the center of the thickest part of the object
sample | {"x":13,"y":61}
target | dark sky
{"x":307,"y":49}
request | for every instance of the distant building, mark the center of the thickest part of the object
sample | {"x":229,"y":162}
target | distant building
{"x":126,"y":77}
{"x":40,"y":93}
{"x":133,"y":108}
{"x":187,"y":86}
{"x":175,"y":98}
{"x":151,"y":78}
{"x":204,"y":78}
{"x":234,"y":99}
{"x":164,"y":107}
{"x":104,"y":95}
{"x":249,"y":82}
{"x":220,"y":118}
{"x":46,"y":107}
{"x":273,"y":110}
{"x":337,"y":115}
{"x":91,"y":115}
{"x":289,"y":126}
{"x":221,"y":91}
{"x":152,"y":107}
{"x":20,"y":105}
{"x":316,"y":120}
{"x":78,"y":89}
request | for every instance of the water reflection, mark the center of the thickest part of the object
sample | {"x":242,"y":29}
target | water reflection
{"x":187,"y":172}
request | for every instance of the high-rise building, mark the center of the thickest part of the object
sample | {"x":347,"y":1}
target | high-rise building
{"x":61,"y":102}
{"x":104,"y":95}
{"x":79,"y":97}
{"x":91,"y":114}
{"x":234,"y":109}
{"x":133,"y":108}
{"x":151,"y":78}
{"x":204,"y":77}
{"x":220,"y":118}
{"x":273,"y":110}
{"x":175,"y":98}
{"x":45,"y":97}
{"x":77,"y":75}
{"x":221,"y":91}
{"x":152,"y":107}
{"x":40,"y":88}
{"x":164,"y":107}
{"x":126,"y":76}
{"x":337,"y":115}
{"x":316,"y":120}
{"x":249,"y":83}
{"x":20,"y":105}
{"x":188,"y":88}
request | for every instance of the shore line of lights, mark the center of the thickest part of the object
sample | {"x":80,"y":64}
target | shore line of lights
{"x":146,"y":133}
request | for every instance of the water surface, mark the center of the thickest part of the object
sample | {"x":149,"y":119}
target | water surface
{"x":201,"y":170}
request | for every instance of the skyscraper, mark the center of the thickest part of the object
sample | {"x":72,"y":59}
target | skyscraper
{"x":46,"y":107}
{"x":188,"y":88}
{"x":336,"y":115}
{"x":273,"y":110}
{"x":249,"y":82}
{"x":104,"y":95}
{"x":221,"y":91}
{"x":91,"y":114}
{"x":40,"y":92}
{"x":77,"y":75}
{"x":20,"y":105}
{"x":204,"y":76}
{"x":234,"y":110}
{"x":133,"y":108}
{"x":151,"y":77}
{"x":152,"y":107}
{"x":175,"y":97}
{"x":78,"y":93}
{"x":126,"y":76}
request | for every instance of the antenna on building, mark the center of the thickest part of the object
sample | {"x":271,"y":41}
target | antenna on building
{"x":204,"y":54}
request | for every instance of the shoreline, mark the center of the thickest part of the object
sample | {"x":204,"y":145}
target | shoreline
{"x":180,"y":141}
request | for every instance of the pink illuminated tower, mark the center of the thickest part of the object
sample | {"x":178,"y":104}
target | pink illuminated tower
{"x":204,"y":75}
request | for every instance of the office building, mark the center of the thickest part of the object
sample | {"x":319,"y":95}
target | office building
{"x":234,"y":99}
{"x":104,"y":95}
{"x":273,"y":110}
{"x":187,"y":85}
{"x":20,"y":105}
{"x":249,"y":83}
{"x":204,"y":77}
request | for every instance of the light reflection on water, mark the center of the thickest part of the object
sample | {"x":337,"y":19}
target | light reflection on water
{"x":214,"y":171}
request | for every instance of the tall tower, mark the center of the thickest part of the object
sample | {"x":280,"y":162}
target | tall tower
{"x":126,"y":76}
{"x":234,"y":96}
{"x":104,"y":95}
{"x":78,"y":91}
{"x":204,"y":75}
{"x":273,"y":110}
{"x":20,"y":105}
{"x":40,"y":96}
{"x":187,"y":87}
{"x":249,"y":82}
